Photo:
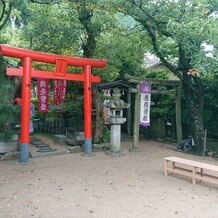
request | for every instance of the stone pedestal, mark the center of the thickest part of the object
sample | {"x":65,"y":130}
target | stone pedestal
{"x":60,"y":139}
{"x":115,"y":149}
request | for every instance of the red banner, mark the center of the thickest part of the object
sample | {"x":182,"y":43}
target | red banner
{"x":43,"y":95}
{"x":59,"y":91}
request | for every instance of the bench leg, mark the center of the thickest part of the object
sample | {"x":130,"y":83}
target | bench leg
{"x":202,"y":173}
{"x":193,"y":175}
{"x":174,"y":165}
{"x":165,"y":167}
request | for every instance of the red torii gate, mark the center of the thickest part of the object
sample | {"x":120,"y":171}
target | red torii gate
{"x":61,"y":63}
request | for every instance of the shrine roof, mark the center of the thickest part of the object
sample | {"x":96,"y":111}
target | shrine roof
{"x":116,"y":84}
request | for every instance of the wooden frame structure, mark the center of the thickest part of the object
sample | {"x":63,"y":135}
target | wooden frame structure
{"x":193,"y":169}
{"x":159,"y":86}
{"x":61,"y":63}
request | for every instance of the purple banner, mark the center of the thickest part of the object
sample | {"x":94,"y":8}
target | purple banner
{"x":145,"y":90}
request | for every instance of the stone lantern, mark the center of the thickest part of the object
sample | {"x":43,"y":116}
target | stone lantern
{"x":115,"y":119}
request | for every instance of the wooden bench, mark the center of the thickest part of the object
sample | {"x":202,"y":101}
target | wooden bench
{"x":193,"y":169}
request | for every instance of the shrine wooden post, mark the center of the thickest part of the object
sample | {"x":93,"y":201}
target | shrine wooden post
{"x":61,"y":63}
{"x":172,"y":87}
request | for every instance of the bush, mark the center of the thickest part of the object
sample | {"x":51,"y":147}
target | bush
{"x":105,"y":135}
{"x":9,"y":115}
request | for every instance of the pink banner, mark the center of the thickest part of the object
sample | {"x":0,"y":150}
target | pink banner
{"x":43,"y":95}
{"x":59,"y":91}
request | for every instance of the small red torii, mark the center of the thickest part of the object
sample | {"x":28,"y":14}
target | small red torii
{"x":61,"y":63}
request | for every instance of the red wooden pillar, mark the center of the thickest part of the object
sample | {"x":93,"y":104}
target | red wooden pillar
{"x":87,"y":111}
{"x":27,"y":72}
{"x":25,"y":111}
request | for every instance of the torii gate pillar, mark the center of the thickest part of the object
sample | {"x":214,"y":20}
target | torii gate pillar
{"x":87,"y":111}
{"x":61,"y":63}
{"x":25,"y":110}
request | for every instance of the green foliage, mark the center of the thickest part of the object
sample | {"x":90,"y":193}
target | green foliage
{"x":211,"y":108}
{"x":58,"y":33}
{"x":123,"y":47}
{"x":187,"y":23}
{"x":210,"y":111}
{"x":73,"y":108}
{"x":163,"y":106}
{"x":105,"y":135}
{"x":158,"y":74}
{"x":212,"y":146}
{"x":5,"y":10}
{"x":9,"y":115}
{"x":62,"y":32}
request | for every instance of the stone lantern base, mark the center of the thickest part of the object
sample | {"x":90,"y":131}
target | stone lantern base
{"x":115,"y":154}
{"x":116,"y":136}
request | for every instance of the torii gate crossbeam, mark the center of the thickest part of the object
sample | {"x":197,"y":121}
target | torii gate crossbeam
{"x":61,"y":63}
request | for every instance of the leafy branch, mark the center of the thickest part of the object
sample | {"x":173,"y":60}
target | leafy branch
{"x":2,"y":19}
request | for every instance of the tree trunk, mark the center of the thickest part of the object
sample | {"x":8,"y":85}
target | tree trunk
{"x":195,"y":103}
{"x":85,"y":17}
{"x":99,"y":122}
{"x":198,"y":132}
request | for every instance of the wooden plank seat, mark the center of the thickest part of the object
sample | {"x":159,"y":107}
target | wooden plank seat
{"x":193,"y":169}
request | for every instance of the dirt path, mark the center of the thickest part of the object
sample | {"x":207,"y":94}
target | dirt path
{"x":133,"y":185}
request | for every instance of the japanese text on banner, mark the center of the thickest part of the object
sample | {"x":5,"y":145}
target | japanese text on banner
{"x":145,"y":90}
{"x":59,"y":91}
{"x":43,"y":95}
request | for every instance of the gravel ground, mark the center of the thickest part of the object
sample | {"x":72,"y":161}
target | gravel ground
{"x":132,"y":185}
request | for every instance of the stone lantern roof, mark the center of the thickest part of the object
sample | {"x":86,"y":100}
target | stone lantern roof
{"x":116,"y":102}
